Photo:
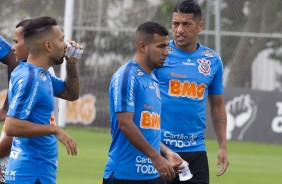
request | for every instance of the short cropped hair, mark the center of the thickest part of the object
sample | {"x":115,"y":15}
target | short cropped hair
{"x":38,"y":26}
{"x":189,"y":6}
{"x":147,"y":30}
{"x":22,"y":23}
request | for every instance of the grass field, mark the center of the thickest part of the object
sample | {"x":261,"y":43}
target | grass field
{"x":250,"y":163}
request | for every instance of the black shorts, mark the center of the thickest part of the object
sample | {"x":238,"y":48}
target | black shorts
{"x":199,"y":167}
{"x":113,"y":180}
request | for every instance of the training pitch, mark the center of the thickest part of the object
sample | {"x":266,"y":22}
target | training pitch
{"x":250,"y":163}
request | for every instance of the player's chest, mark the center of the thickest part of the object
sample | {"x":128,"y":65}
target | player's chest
{"x":148,"y":93}
{"x":193,"y":70}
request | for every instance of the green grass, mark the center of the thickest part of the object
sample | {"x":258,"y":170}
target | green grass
{"x":88,"y":166}
{"x":250,"y":163}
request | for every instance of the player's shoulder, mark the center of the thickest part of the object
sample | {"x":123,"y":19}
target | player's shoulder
{"x":129,"y":72}
{"x":127,"y":69}
{"x":208,"y":52}
{"x":28,"y":71}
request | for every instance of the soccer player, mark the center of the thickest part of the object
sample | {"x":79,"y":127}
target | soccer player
{"x":21,"y":54}
{"x":135,"y":107}
{"x":192,"y":74}
{"x":6,"y":57}
{"x":30,"y":118}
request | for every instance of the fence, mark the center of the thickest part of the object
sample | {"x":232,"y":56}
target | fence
{"x":247,"y":34}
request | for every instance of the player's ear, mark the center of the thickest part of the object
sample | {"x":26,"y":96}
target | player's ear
{"x":47,"y":46}
{"x":142,"y":47}
{"x":200,"y":26}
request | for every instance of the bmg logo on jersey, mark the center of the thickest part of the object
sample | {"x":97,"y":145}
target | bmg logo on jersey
{"x":186,"y":89}
{"x":150,"y":120}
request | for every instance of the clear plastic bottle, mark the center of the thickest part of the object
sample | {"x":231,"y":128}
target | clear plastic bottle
{"x":185,"y":172}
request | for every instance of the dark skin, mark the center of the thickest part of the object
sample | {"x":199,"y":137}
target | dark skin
{"x":219,"y":119}
{"x":11,"y":63}
{"x":185,"y":29}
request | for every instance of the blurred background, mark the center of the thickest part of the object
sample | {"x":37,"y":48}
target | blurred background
{"x":247,"y":34}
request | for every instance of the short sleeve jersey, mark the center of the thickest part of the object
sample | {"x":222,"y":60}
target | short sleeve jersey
{"x":133,"y":90}
{"x":185,"y":81}
{"x":5,"y":47}
{"x":31,"y":97}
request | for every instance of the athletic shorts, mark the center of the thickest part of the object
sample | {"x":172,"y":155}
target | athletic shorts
{"x":199,"y":167}
{"x":113,"y":180}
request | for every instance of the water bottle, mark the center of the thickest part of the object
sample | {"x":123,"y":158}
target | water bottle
{"x":185,"y":172}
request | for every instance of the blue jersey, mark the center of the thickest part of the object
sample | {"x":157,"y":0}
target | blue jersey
{"x":31,"y":98}
{"x":133,"y":90}
{"x":185,"y":80}
{"x":5,"y":47}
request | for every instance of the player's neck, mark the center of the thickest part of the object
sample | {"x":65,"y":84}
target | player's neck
{"x":39,"y":61}
{"x":142,"y":63}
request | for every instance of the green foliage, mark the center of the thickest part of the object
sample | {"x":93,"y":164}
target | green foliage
{"x":164,"y":14}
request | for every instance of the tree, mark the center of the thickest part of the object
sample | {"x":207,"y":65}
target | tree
{"x":263,"y":17}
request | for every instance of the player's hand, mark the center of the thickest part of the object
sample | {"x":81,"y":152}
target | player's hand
{"x":66,"y":140}
{"x":164,"y":168}
{"x":222,"y":162}
{"x":69,"y":59}
{"x":175,"y":160}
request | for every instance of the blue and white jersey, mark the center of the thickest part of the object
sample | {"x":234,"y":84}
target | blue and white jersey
{"x":185,"y":81}
{"x":31,"y":97}
{"x":133,"y":90}
{"x":5,"y":47}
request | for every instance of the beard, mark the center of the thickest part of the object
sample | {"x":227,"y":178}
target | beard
{"x":153,"y":63}
{"x":58,"y":61}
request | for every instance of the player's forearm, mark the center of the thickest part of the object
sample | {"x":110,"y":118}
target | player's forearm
{"x":6,"y":105}
{"x":72,"y":81}
{"x":22,"y":128}
{"x":165,"y":150}
{"x":11,"y":63}
{"x":5,"y":145}
{"x":137,"y":139}
{"x":219,"y":125}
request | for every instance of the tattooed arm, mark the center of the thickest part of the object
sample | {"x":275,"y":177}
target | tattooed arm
{"x":219,"y":120}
